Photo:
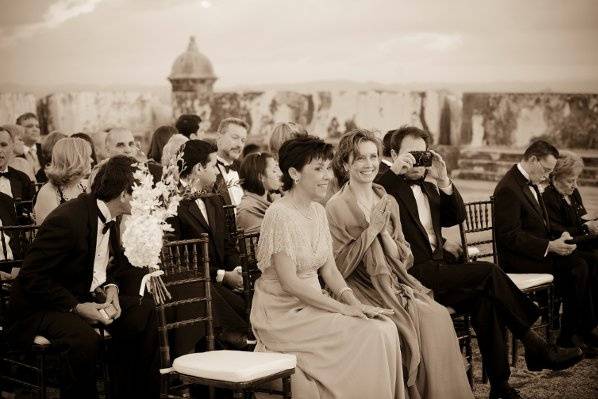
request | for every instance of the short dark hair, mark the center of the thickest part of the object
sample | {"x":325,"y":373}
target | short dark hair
{"x":25,"y":116}
{"x":250,"y":148}
{"x":114,"y":177}
{"x":386,"y":145}
{"x":194,"y":152}
{"x":540,"y":149}
{"x":188,"y":124}
{"x":399,"y":134}
{"x":298,"y":152}
{"x":252,"y":166}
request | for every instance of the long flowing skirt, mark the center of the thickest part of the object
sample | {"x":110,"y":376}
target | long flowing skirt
{"x":337,"y":356}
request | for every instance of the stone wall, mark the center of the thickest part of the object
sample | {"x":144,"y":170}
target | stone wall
{"x":14,"y":104}
{"x":96,"y":111}
{"x":457,"y":119}
{"x":515,"y":119}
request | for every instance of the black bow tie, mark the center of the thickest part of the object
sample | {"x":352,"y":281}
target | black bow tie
{"x":228,"y":168}
{"x":4,"y":174}
{"x":418,"y":182}
{"x":107,"y":225}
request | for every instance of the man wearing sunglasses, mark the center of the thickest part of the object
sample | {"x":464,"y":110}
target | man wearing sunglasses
{"x":525,"y":245}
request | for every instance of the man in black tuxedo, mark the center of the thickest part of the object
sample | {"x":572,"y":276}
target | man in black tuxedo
{"x":8,"y":217}
{"x":13,"y":182}
{"x":525,"y":244}
{"x":232,"y":133}
{"x":71,"y":276}
{"x":202,"y":212}
{"x":480,"y":288}
{"x":31,"y":136}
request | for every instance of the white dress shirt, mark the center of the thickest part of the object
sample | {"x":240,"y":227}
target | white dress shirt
{"x":202,"y":208}
{"x":526,"y":175}
{"x":231,"y":178}
{"x":5,"y":184}
{"x":425,"y":215}
{"x":32,"y":157}
{"x":100,"y":263}
{"x":5,"y":246}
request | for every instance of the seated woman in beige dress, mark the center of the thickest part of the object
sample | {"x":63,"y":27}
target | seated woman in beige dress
{"x":344,"y":349}
{"x":260,"y":176}
{"x":71,"y":164}
{"x":373,"y":256}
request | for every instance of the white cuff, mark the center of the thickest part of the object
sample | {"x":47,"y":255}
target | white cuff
{"x":220,"y":276}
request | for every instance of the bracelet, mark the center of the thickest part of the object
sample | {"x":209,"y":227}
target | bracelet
{"x":340,"y":292}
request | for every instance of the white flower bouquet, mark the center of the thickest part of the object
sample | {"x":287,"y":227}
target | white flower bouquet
{"x":151,"y":205}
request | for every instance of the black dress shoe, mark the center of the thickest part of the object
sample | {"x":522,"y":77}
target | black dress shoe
{"x":552,"y":357}
{"x":504,"y":392}
{"x":589,"y":348}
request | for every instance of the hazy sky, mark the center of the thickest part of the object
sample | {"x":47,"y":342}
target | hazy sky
{"x":48,"y":42}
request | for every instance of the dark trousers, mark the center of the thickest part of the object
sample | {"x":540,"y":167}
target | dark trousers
{"x":576,"y":279}
{"x":134,"y":356}
{"x":494,"y":302}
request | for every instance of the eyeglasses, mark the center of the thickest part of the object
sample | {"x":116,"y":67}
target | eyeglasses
{"x":547,"y":170}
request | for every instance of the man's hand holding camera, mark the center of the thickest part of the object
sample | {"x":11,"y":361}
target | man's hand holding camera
{"x":438,"y":170}
{"x":403,"y":163}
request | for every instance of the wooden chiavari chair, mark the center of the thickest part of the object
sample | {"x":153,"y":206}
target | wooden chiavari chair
{"x":186,"y":262}
{"x":479,"y":243}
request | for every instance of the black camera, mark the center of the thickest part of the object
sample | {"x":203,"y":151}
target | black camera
{"x":422,"y":158}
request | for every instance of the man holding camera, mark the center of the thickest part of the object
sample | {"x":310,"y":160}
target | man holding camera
{"x":418,"y":179}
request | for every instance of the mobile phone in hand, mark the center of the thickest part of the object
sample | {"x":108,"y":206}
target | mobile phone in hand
{"x":109,"y":312}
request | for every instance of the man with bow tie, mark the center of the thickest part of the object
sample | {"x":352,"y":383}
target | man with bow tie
{"x":75,"y":275}
{"x":31,"y":135}
{"x":480,"y":288}
{"x":232,"y":133}
{"x":201,"y":211}
{"x":525,"y":244}
{"x":13,"y":182}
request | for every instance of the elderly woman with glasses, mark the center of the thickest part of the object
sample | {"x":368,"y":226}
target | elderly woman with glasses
{"x":566,"y":212}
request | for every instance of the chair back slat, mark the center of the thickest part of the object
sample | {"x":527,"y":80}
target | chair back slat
{"x":247,"y":246}
{"x":477,"y":230}
{"x":231,"y":222}
{"x":18,"y":239}
{"x":187,"y":277}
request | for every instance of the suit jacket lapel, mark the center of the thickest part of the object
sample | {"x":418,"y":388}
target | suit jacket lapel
{"x":434,"y":200}
{"x":15,"y":184}
{"x":525,"y":188}
{"x":196,"y":213}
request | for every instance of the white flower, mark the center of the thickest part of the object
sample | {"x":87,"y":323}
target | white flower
{"x":151,"y":205}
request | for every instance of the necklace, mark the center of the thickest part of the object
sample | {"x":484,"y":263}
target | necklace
{"x":300,"y":211}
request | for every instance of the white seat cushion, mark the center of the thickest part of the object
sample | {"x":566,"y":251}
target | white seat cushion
{"x":524,"y":281}
{"x":233,"y":366}
{"x":40,"y":340}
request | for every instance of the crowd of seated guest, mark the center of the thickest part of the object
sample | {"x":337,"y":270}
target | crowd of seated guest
{"x":377,"y":246}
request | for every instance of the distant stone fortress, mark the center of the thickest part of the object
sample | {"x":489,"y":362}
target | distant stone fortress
{"x":463,"y":120}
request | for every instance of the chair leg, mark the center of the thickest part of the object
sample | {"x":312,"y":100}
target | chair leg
{"x":238,"y":394}
{"x":549,"y":315}
{"x":514,"y":350}
{"x":286,"y":387}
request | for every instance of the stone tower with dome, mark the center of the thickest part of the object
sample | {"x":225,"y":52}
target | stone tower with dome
{"x":192,"y":79}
